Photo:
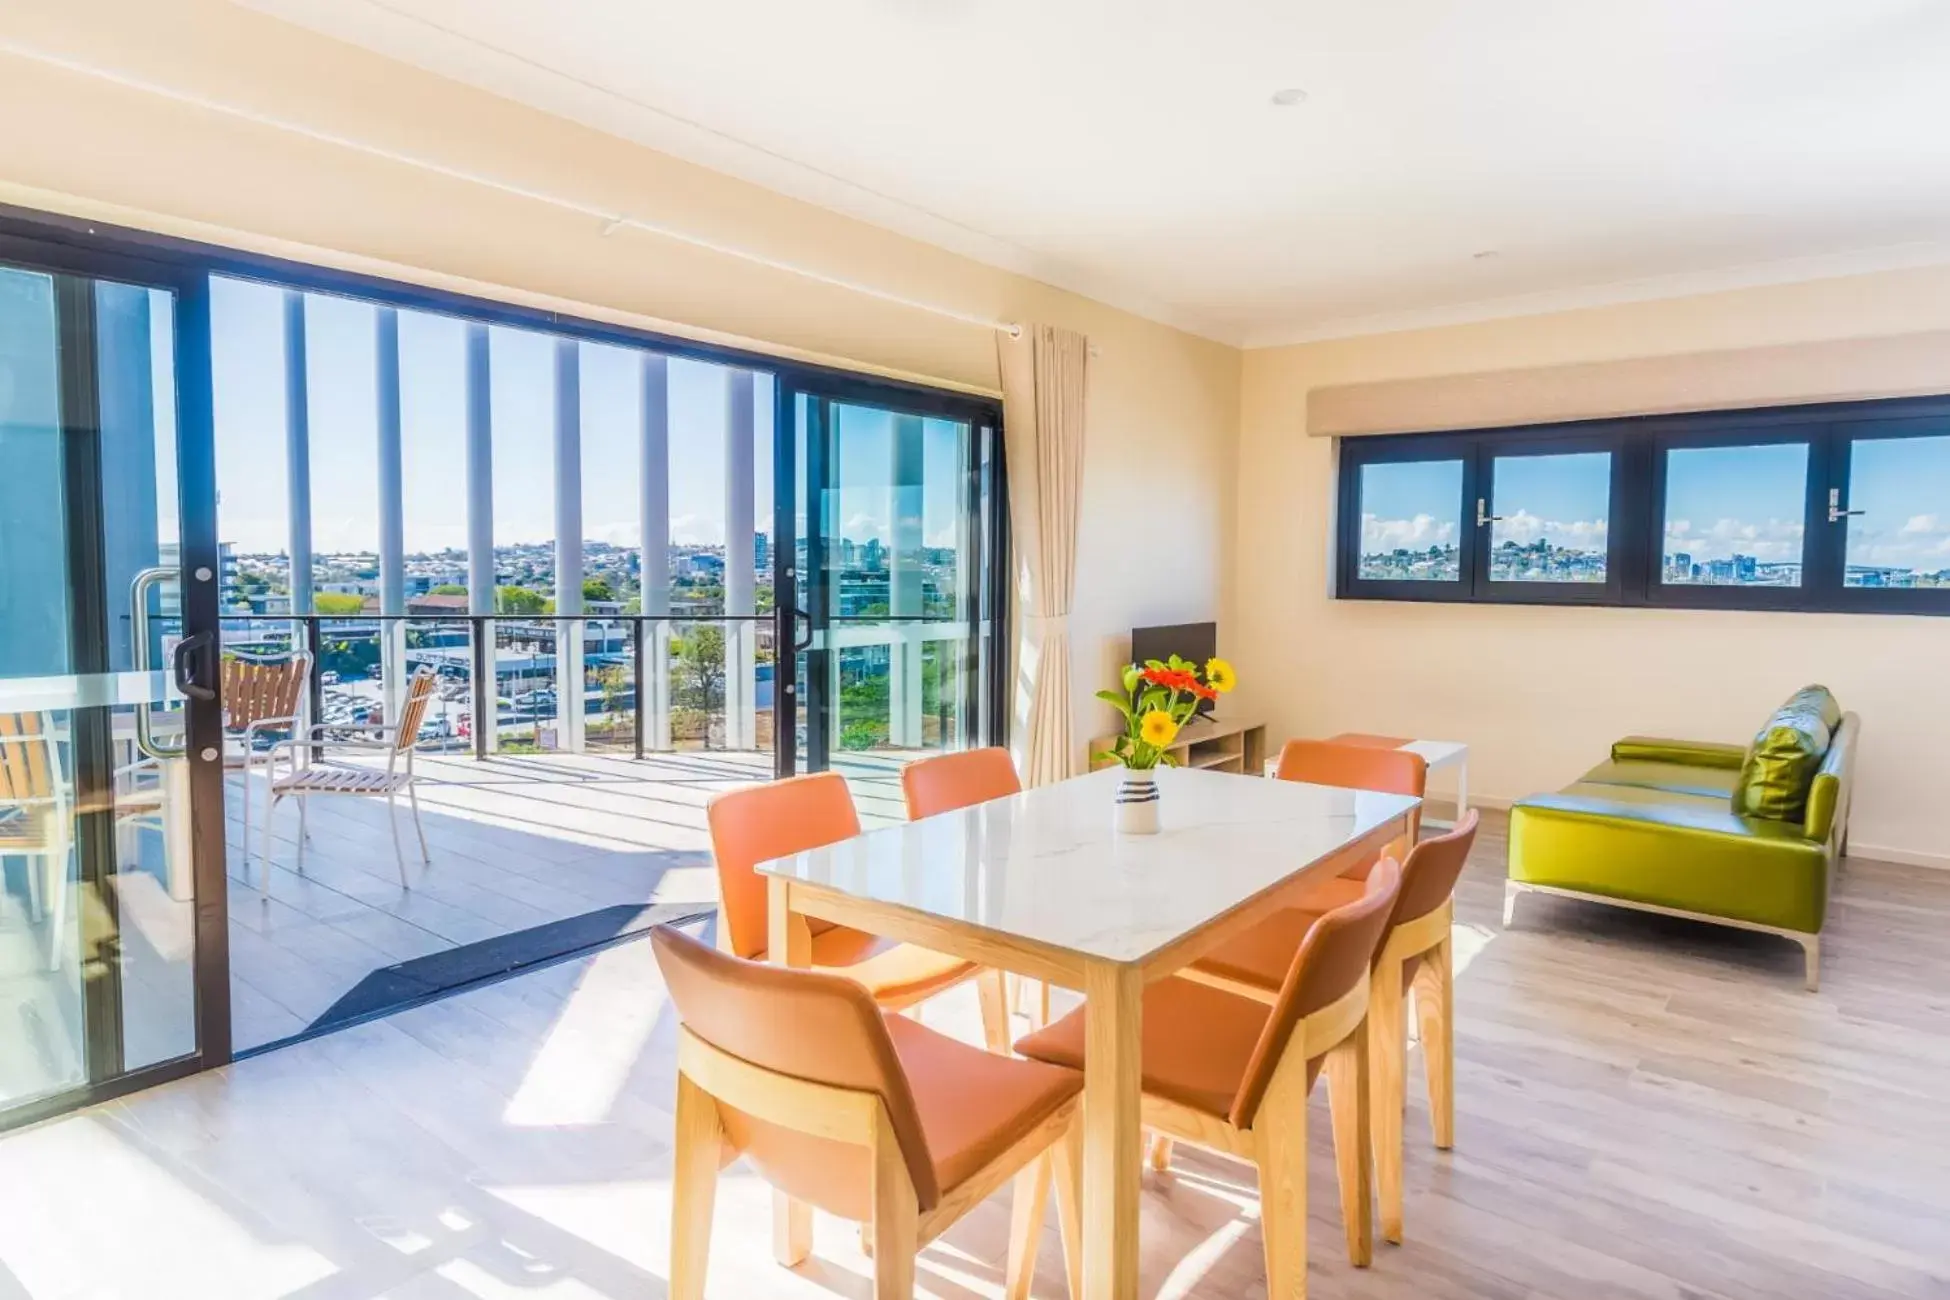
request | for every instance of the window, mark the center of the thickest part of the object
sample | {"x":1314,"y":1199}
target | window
{"x":1835,"y":507}
{"x":1549,"y":517}
{"x":1411,"y":521}
{"x":1734,"y":516}
{"x":1897,"y":515}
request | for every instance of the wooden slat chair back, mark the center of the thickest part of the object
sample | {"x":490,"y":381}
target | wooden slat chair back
{"x":803,"y":1075}
{"x":27,"y":772}
{"x":414,"y":711}
{"x":255,"y":692}
{"x":35,"y":817}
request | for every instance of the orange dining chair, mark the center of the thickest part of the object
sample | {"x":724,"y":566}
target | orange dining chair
{"x":863,"y":1115}
{"x":1232,"y":1074}
{"x":1416,"y":953}
{"x":801,"y":813}
{"x":951,"y":781}
{"x":1359,"y":767}
{"x":1266,"y":948}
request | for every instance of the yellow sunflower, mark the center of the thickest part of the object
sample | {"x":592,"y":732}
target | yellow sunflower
{"x":1220,"y":676}
{"x":1156,"y":729}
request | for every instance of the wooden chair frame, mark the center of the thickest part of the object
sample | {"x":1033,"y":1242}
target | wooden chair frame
{"x":1427,"y":937}
{"x":1276,"y":1144}
{"x":259,"y":698}
{"x":708,"y":1076}
{"x":40,"y":794}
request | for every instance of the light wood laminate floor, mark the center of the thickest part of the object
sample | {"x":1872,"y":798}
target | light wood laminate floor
{"x":1647,"y":1109}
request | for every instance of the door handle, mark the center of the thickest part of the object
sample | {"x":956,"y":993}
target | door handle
{"x":1835,"y":512}
{"x":1483,"y":517}
{"x":801,"y":616}
{"x":145,"y":736}
{"x":194,"y":660}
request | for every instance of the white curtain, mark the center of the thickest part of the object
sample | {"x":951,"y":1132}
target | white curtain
{"x":1043,"y":419}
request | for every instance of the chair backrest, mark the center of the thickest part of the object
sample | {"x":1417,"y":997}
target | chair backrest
{"x":27,"y":770}
{"x":771,"y":821}
{"x":418,"y":691}
{"x":1431,"y":870}
{"x":951,"y":781}
{"x":254,"y":691}
{"x":803,"y":1025}
{"x":1359,"y":767}
{"x":1332,"y":962}
{"x":1354,"y":767}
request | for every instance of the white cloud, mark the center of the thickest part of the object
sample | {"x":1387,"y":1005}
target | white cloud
{"x":1773,"y":541}
{"x":1417,"y":534}
{"x":1524,"y":528}
{"x":862,"y":526}
{"x":1927,"y":524}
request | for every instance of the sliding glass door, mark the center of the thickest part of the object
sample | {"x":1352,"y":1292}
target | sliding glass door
{"x":890,"y":506}
{"x":111,"y":828}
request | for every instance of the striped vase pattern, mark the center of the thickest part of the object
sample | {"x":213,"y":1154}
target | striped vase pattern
{"x":1137,"y":803}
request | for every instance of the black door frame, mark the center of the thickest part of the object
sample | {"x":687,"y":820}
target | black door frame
{"x":799,"y":624}
{"x":76,"y":268}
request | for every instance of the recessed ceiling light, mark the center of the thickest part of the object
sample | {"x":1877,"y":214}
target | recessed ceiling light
{"x":1289,"y":97}
{"x":1485,"y":255}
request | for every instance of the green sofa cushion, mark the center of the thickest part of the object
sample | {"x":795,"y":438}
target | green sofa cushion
{"x":1713,"y":782}
{"x":1782,"y":762}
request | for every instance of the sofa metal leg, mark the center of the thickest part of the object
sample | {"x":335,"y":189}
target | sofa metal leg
{"x":1811,"y":946}
{"x":1510,"y":891}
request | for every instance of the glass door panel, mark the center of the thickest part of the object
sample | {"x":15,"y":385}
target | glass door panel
{"x":99,"y":954}
{"x":889,"y":519}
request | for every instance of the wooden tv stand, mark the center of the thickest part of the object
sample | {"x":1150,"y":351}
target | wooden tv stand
{"x":1219,"y":744}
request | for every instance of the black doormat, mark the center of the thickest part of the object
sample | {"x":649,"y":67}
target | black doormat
{"x":410,"y":983}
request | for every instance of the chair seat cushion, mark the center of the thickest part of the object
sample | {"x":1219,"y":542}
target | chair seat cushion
{"x":895,"y":974}
{"x":1196,"y":1043}
{"x":974,"y":1104}
{"x":1262,"y":955}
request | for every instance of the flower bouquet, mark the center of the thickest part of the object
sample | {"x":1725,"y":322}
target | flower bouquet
{"x":1158,"y":699}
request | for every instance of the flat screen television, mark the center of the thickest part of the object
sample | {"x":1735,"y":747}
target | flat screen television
{"x":1197,"y":642}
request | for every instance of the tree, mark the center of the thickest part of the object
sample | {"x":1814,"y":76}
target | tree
{"x":700,"y":668}
{"x":519,"y":600}
{"x":338,"y":604}
{"x":447,"y":589}
{"x":597,"y":589}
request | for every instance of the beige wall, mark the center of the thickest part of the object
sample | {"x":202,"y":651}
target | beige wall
{"x":1539,"y":693}
{"x":1156,"y":395}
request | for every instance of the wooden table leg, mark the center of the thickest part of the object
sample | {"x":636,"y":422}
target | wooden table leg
{"x":1112,"y":1132}
{"x":788,"y":943}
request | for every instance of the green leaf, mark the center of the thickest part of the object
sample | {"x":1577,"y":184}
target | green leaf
{"x":1153,"y":698}
{"x":1132,"y":676}
{"x":1116,"y":701}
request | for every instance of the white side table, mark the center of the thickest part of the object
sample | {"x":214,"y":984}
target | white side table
{"x":1436,"y":753}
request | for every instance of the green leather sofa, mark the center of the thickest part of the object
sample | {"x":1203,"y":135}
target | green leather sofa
{"x":1744,"y":836}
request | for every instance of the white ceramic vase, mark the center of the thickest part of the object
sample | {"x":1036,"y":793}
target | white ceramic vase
{"x":1137,"y":803}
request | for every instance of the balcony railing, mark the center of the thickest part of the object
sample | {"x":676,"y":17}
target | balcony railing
{"x":646,"y":683}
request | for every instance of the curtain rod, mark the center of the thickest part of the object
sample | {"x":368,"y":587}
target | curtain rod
{"x":612,"y":221}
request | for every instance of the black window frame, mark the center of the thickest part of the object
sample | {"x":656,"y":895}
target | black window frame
{"x":1640,"y":448}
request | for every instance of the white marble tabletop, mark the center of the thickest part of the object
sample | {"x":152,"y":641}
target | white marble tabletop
{"x":1046,"y":866}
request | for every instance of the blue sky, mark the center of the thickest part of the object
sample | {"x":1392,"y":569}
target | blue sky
{"x":248,"y":360}
{"x":1720,"y":501}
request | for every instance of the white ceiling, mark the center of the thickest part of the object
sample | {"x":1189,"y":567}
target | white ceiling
{"x":1130,"y":151}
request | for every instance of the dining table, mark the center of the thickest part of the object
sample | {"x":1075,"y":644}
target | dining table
{"x":1040,"y":884}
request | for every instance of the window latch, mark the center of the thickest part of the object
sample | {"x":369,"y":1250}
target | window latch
{"x":1835,"y":512}
{"x":1483,"y":517}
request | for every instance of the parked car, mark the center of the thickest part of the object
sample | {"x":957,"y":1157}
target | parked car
{"x":328,"y":678}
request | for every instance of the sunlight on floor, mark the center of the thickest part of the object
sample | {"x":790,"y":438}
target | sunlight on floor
{"x":591,"y":1050}
{"x":1466,"y":942}
{"x":159,"y":1219}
